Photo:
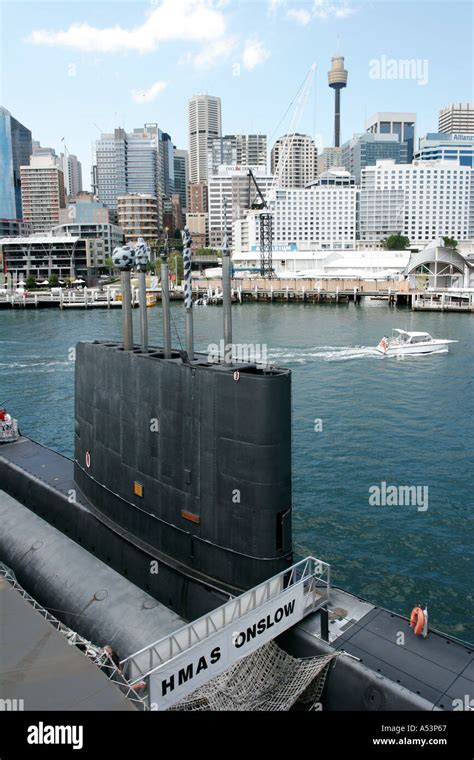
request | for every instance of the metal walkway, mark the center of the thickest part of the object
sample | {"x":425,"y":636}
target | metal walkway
{"x":179,"y":663}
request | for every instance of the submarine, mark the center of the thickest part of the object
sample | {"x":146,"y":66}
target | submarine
{"x":178,"y":501}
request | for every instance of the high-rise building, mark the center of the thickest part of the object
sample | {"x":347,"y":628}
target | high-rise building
{"x":72,"y":170}
{"x":450,"y":147}
{"x":395,"y":123}
{"x":39,"y":150}
{"x":457,"y":118}
{"x":15,"y":151}
{"x":366,"y":149}
{"x":167,"y":164}
{"x":204,"y":123}
{"x":423,"y":200}
{"x":294,"y":160}
{"x":198,"y":198}
{"x":328,"y":158}
{"x":198,"y":225}
{"x":42,"y":192}
{"x":129,"y":163}
{"x":177,"y":212}
{"x":237,"y":150}
{"x":138,"y":217}
{"x":232,"y":184}
{"x":181,"y":176}
{"x":221,"y":151}
{"x":321,"y":217}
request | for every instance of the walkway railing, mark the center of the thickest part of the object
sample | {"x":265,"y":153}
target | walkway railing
{"x":302,"y":588}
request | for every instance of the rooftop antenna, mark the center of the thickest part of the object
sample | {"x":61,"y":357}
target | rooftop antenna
{"x":123,"y":258}
{"x":165,"y":298}
{"x":188,"y":293}
{"x":142,"y":257}
{"x":226,"y":291}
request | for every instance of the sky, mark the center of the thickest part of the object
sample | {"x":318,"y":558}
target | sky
{"x":71,"y":69}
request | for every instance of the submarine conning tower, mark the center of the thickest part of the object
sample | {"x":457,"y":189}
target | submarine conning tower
{"x":188,"y":458}
{"x":188,"y":455}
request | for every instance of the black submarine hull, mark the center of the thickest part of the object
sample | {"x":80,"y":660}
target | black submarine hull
{"x":64,"y":554}
{"x":181,"y":485}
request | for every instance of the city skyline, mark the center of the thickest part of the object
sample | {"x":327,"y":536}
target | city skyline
{"x":74,"y":83}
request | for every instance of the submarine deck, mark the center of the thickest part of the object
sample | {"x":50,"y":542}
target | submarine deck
{"x":41,"y":671}
{"x":439,"y":668}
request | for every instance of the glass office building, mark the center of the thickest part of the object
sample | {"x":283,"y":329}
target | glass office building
{"x":15,"y":151}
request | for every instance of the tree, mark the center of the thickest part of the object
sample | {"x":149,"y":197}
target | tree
{"x":30,"y":282}
{"x":53,"y":280}
{"x":175,"y":264}
{"x":396,"y":243}
{"x":450,"y":242}
{"x":207,"y":252}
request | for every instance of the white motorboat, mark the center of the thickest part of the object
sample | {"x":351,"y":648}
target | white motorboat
{"x":403,"y":342}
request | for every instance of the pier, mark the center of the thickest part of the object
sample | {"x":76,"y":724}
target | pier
{"x":250,"y":290}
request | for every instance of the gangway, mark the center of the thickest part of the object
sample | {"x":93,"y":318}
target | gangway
{"x":176,"y":665}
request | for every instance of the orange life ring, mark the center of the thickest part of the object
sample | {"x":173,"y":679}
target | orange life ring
{"x":417,"y":620}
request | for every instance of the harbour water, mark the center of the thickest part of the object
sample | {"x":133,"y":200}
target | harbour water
{"x":359,"y":420}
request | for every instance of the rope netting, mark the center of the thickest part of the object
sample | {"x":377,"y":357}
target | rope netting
{"x":268,"y":679}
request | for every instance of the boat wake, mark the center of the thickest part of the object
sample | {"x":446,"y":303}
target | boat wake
{"x":323,"y":353}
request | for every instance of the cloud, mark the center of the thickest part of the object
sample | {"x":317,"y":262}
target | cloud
{"x":274,"y":5}
{"x":300,"y":15}
{"x":211,"y":54}
{"x":255,"y":53}
{"x":322,"y":10}
{"x":171,"y":21}
{"x":149,"y":95}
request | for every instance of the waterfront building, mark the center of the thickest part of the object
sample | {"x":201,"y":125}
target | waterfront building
{"x":15,"y":227}
{"x":138,"y":217}
{"x":367,"y":148}
{"x":309,"y":260}
{"x":181,"y":176}
{"x":42,"y":192}
{"x":321,"y":216}
{"x":301,"y":165}
{"x":397,"y":123}
{"x":457,"y":118}
{"x":423,"y":201}
{"x":40,"y":256}
{"x":15,"y":151}
{"x":450,"y":147}
{"x":87,"y":218}
{"x":204,"y":124}
{"x":233,"y":184}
